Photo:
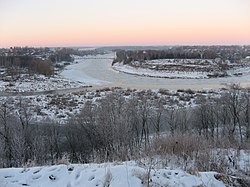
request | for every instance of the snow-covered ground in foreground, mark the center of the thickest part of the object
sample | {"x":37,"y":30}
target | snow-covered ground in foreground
{"x":126,"y":174}
{"x":154,"y":73}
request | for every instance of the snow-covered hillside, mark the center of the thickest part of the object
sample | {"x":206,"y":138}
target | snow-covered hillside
{"x":126,"y":174}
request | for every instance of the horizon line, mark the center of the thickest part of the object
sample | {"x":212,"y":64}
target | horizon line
{"x":132,"y":45}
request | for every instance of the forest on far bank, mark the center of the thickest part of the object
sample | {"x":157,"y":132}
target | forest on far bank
{"x":232,"y":53}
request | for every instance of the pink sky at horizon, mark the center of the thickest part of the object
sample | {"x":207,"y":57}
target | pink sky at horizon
{"x":125,"y":22}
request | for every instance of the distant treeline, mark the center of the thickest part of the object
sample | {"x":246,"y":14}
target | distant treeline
{"x":129,"y":56}
{"x":64,"y":54}
{"x":232,"y":53}
{"x":32,"y":64}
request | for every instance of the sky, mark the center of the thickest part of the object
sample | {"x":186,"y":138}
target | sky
{"x":124,"y":22}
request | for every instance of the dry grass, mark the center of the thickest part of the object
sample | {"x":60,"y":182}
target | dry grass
{"x":193,"y":153}
{"x":181,"y":145}
{"x":144,"y":176}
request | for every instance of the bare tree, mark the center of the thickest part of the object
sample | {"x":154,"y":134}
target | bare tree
{"x":234,"y":101}
{"x":144,"y":113}
{"x":172,"y":119}
{"x":157,"y":119}
{"x":6,"y":133}
{"x":247,"y":114}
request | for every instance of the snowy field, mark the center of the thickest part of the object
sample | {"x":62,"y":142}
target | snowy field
{"x":55,"y":107}
{"x":161,"y":74}
{"x":195,"y":69}
{"x":60,"y":107}
{"x":124,"y":174}
{"x":38,"y":83}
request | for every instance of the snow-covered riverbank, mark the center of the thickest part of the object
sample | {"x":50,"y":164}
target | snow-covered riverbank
{"x":158,"y":74}
{"x":96,"y":71}
{"x":99,"y":72}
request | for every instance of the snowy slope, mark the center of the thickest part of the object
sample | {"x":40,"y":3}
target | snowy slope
{"x":126,"y":174}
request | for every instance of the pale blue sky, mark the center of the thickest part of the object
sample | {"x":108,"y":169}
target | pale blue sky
{"x":124,"y":22}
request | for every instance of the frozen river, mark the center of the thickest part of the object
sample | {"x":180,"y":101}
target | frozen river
{"x":99,"y":73}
